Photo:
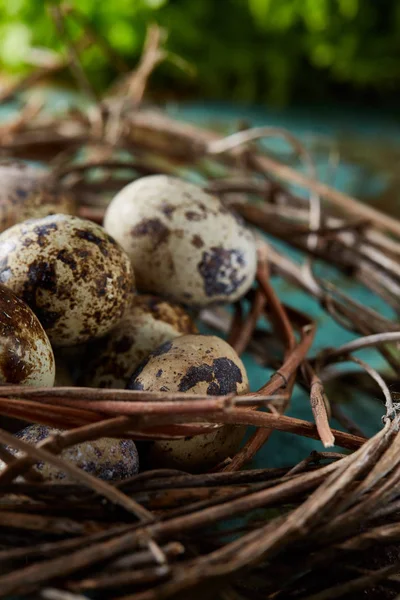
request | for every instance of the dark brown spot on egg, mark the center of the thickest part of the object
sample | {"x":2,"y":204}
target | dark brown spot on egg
{"x":167,"y":209}
{"x":154,"y":228}
{"x":159,"y":373}
{"x":89,"y":236}
{"x":12,"y":365}
{"x":227,"y":375}
{"x":197,"y":241}
{"x":42,"y":231}
{"x":195,"y":375}
{"x":67,"y":258}
{"x":213,"y":389}
{"x":136,"y":385}
{"x":191,"y":215}
{"x":220,"y":270}
{"x":163,"y":349}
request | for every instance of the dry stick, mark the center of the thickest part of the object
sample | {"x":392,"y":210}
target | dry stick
{"x":369,"y":341}
{"x":35,"y":574}
{"x":263,"y":542}
{"x":360,"y":583}
{"x":259,"y":438}
{"x":101,"y":487}
{"x":237,"y":416}
{"x":236,"y":325}
{"x":242,"y":340}
{"x":284,"y":423}
{"x":318,"y":406}
{"x":344,"y":201}
{"x":74,"y":61}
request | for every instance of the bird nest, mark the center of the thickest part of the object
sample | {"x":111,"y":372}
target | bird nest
{"x":326,"y":527}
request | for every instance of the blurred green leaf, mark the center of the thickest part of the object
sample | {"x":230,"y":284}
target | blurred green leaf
{"x":251,"y":50}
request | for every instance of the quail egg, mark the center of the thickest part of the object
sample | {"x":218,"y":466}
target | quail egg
{"x":74,"y":276}
{"x":148,"y":323}
{"x":106,"y":458}
{"x":26,"y":356}
{"x":183,"y":243}
{"x":27,"y":192}
{"x":199,"y":364}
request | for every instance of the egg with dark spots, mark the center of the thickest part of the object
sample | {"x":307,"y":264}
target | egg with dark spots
{"x":183,"y":243}
{"x":74,"y":276}
{"x":195,"y":364}
{"x":149,"y":322}
{"x":28,"y":192}
{"x":26,"y":355}
{"x":106,"y":458}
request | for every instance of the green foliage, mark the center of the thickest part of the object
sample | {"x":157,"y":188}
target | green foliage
{"x":274,"y":50}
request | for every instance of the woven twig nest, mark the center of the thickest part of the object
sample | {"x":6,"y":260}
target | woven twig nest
{"x":164,"y":533}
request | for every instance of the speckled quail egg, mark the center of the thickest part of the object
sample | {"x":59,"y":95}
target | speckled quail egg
{"x":27,"y":192}
{"x":148,"y":323}
{"x":74,"y":276}
{"x":106,"y":458}
{"x":199,"y":364}
{"x":26,"y":356}
{"x":183,"y":243}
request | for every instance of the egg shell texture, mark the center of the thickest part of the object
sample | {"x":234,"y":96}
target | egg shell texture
{"x":27,"y":192}
{"x":107,"y":458}
{"x":183,"y":243}
{"x":149,"y":322}
{"x":199,"y":364}
{"x":73,"y":275}
{"x":194,"y":364}
{"x":26,"y":356}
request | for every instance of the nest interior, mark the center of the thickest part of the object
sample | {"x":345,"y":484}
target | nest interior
{"x":327,"y":526}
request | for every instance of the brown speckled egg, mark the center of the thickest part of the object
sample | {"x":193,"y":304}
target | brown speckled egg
{"x":150,"y":322}
{"x":27,"y":192}
{"x":197,"y":364}
{"x":183,"y":243}
{"x":26,"y":356}
{"x":106,"y":458}
{"x":74,"y":276}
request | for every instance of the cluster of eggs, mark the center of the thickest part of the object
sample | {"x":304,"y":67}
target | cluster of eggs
{"x":110,"y":306}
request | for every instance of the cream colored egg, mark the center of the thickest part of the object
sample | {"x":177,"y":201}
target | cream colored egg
{"x":183,"y":243}
{"x":148,"y":323}
{"x":196,"y":364}
{"x":26,"y":356}
{"x":106,"y":458}
{"x":73,"y":275}
{"x":27,"y":192}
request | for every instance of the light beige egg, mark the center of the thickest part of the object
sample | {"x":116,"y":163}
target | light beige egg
{"x":149,"y":322}
{"x":183,"y":243}
{"x":196,"y":364}
{"x":27,"y":192}
{"x":106,"y":458}
{"x":26,"y":356}
{"x":74,"y":276}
